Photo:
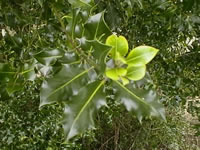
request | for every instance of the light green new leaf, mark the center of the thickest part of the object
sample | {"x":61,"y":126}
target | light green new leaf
{"x":136,"y":73}
{"x":124,"y":80}
{"x":141,"y":55}
{"x":119,"y":46}
{"x":80,"y":111}
{"x":49,"y":57}
{"x":141,"y":102}
{"x":63,"y":85}
{"x":116,"y":73}
{"x":96,"y":28}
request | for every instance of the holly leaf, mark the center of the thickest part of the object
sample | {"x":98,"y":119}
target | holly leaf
{"x":6,"y":72}
{"x":13,"y":78}
{"x":49,"y":57}
{"x":143,"y":103}
{"x":74,"y":26}
{"x":63,"y":85}
{"x":136,"y":73}
{"x":28,"y":71}
{"x":141,"y":55}
{"x":119,"y":46}
{"x":69,"y":57}
{"x":96,"y":28}
{"x":81,"y":3}
{"x":15,"y":84}
{"x":98,"y":50}
{"x":80,"y":111}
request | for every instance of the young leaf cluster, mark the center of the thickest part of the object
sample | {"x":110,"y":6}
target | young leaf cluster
{"x":126,"y":65}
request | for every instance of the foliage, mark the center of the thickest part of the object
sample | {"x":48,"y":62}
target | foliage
{"x":121,"y":131}
{"x":24,"y":126}
{"x":73,"y":69}
{"x":173,"y":26}
{"x":51,"y":41}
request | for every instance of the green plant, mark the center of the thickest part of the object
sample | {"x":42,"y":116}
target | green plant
{"x":173,"y":26}
{"x":120,"y":130}
{"x":80,"y":67}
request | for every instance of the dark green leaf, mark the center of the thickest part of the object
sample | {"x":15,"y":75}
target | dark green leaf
{"x":80,"y":111}
{"x":63,"y":85}
{"x":28,"y":71}
{"x":96,"y":28}
{"x":15,"y":84}
{"x":81,"y":3}
{"x":49,"y":57}
{"x":142,"y":103}
{"x":98,"y":50}
{"x":6,"y":72}
{"x":47,"y":71}
{"x":69,"y":57}
{"x":75,"y":27}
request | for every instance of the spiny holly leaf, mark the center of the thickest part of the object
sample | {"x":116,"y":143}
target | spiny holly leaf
{"x":98,"y":50}
{"x":15,"y":79}
{"x":142,"y":103}
{"x":49,"y":57}
{"x":6,"y":72}
{"x":47,"y":71}
{"x":81,"y":3}
{"x":141,"y":55}
{"x":119,"y":46}
{"x":15,"y":84}
{"x":69,"y":57}
{"x":75,"y":24}
{"x":28,"y":71}
{"x":63,"y":85}
{"x":136,"y":73}
{"x":96,"y":28}
{"x":79,"y":112}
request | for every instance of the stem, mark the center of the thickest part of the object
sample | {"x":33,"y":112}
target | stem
{"x":78,"y":50}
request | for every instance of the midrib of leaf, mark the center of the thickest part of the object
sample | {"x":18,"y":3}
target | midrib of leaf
{"x":14,"y":83}
{"x":58,"y":56}
{"x":97,"y":28}
{"x":27,"y":71}
{"x":115,"y":48}
{"x":104,"y":60}
{"x":131,"y":72}
{"x":137,"y":57}
{"x":138,"y":98}
{"x":76,"y":77}
{"x":16,"y":72}
{"x":7,"y":72}
{"x":75,"y":62}
{"x":86,"y":104}
{"x":73,"y":25}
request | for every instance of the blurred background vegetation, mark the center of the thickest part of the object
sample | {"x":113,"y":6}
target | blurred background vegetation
{"x":173,"y":26}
